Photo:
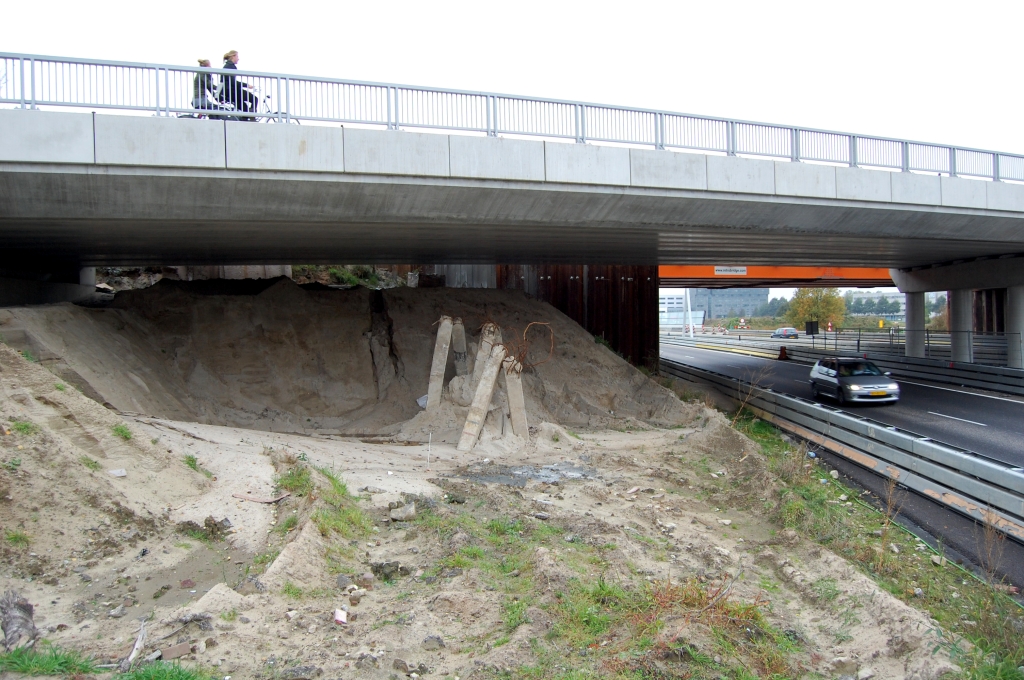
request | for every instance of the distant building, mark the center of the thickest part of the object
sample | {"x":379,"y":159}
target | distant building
{"x":715,"y":303}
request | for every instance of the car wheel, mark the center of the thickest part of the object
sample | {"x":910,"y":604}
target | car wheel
{"x":814,"y":392}
{"x":841,"y":397}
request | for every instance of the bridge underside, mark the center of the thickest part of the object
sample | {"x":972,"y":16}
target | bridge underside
{"x":113,"y":215}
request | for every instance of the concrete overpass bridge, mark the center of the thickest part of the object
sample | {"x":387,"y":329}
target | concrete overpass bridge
{"x":97,"y":168}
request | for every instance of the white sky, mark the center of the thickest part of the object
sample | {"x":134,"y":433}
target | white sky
{"x":933,"y":71}
{"x":937,"y":71}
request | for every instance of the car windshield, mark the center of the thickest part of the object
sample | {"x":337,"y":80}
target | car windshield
{"x":847,"y":370}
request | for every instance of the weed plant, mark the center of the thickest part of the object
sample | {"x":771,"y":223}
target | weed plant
{"x":24,"y":427}
{"x":17,"y":539}
{"x":121,"y":430}
{"x":90,"y":463}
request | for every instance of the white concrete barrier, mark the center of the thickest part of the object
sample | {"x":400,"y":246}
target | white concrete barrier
{"x":804,"y":179}
{"x":285,"y":147}
{"x":910,"y":188}
{"x":668,"y":169}
{"x":165,"y":142}
{"x":741,"y":175}
{"x":963,"y":193}
{"x":496,"y":158}
{"x":392,"y":152}
{"x":586,"y":164}
{"x":28,"y":136}
{"x":857,"y":184}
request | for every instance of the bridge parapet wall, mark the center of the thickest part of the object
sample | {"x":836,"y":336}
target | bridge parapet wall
{"x":46,"y":137}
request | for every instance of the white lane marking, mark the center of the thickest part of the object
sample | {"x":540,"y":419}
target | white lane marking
{"x":948,"y":389}
{"x":733,"y":366}
{"x":962,"y":420}
{"x":687,"y":356}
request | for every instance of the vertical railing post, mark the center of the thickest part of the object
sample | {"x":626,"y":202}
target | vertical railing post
{"x":794,"y":145}
{"x":388,"y":98}
{"x":32,"y":74}
{"x":21,"y":70}
{"x":995,"y":168}
{"x":487,"y":107}
{"x":397,"y":106}
{"x":583,"y":124}
{"x":167,"y":93}
{"x":156,"y":90}
{"x":952,"y":161}
{"x":905,"y":156}
{"x":853,"y":151}
{"x":730,"y":138}
{"x":288,"y":100}
{"x":277,"y":102}
{"x":658,"y":141}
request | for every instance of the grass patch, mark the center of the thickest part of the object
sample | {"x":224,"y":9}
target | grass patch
{"x":193,"y":463}
{"x":297,"y":481}
{"x":24,"y":427}
{"x":230,"y":616}
{"x":162,"y":670}
{"x":18,"y":539}
{"x":47,"y":661}
{"x":291,"y":590}
{"x":825,"y":589}
{"x":121,"y":430}
{"x":12,"y":465}
{"x":90,"y":463}
{"x":287,"y":524}
{"x":28,"y":356}
{"x":513,"y":614}
{"x":60,"y":387}
{"x":340,"y":515}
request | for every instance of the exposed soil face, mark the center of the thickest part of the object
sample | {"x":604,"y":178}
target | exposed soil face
{"x":271,"y":355}
{"x":628,"y":534}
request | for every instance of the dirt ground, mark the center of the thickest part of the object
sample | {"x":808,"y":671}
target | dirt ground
{"x":629,"y":533}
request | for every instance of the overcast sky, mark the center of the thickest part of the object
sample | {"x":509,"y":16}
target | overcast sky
{"x":934,"y":71}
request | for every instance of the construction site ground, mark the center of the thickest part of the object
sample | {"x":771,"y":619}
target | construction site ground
{"x":171,"y":461}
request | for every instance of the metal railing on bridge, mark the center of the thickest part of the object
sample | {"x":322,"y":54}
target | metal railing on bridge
{"x":33,"y":82}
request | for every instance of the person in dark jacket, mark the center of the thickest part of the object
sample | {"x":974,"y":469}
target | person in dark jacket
{"x":203,"y":90}
{"x":235,"y":91}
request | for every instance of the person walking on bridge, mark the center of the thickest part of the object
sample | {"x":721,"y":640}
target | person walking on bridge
{"x":235,"y":91}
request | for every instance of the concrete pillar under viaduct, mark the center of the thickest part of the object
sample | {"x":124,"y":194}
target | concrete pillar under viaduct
{"x":915,"y":346}
{"x":961,"y":325}
{"x":1015,"y":326}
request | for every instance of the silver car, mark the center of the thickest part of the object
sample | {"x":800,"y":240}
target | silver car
{"x":852,"y":381}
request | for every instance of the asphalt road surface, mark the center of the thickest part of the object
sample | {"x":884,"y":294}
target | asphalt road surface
{"x":992,"y":426}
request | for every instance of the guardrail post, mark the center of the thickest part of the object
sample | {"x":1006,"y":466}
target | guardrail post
{"x":32,"y":73}
{"x":21,"y":70}
{"x":388,"y":98}
{"x":583,"y":125}
{"x":952,"y":161}
{"x":853,"y":151}
{"x":904,"y":156}
{"x":659,"y":131}
{"x":288,"y":100}
{"x":995,"y":168}
{"x":730,"y":138}
{"x":794,"y":145}
{"x":156,"y":89}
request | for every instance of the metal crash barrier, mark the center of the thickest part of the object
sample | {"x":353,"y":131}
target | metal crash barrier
{"x":984,"y":489}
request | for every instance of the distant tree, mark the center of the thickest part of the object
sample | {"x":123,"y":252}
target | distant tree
{"x":869,"y":306}
{"x":848,"y":299}
{"x":882,"y":306}
{"x":938,"y":305}
{"x":817,"y":304}
{"x":856,"y":307}
{"x":775,"y":307}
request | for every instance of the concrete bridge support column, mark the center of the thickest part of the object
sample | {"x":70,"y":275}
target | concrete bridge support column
{"x":915,"y":346}
{"x":87,"y":276}
{"x":1015,"y":326}
{"x":961,"y":325}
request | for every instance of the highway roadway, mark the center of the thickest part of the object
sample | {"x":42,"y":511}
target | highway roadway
{"x":990,"y":425}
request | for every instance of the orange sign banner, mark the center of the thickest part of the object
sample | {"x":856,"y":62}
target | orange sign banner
{"x":709,"y":271}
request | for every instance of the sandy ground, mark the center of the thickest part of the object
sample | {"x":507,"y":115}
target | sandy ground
{"x":125,"y":430}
